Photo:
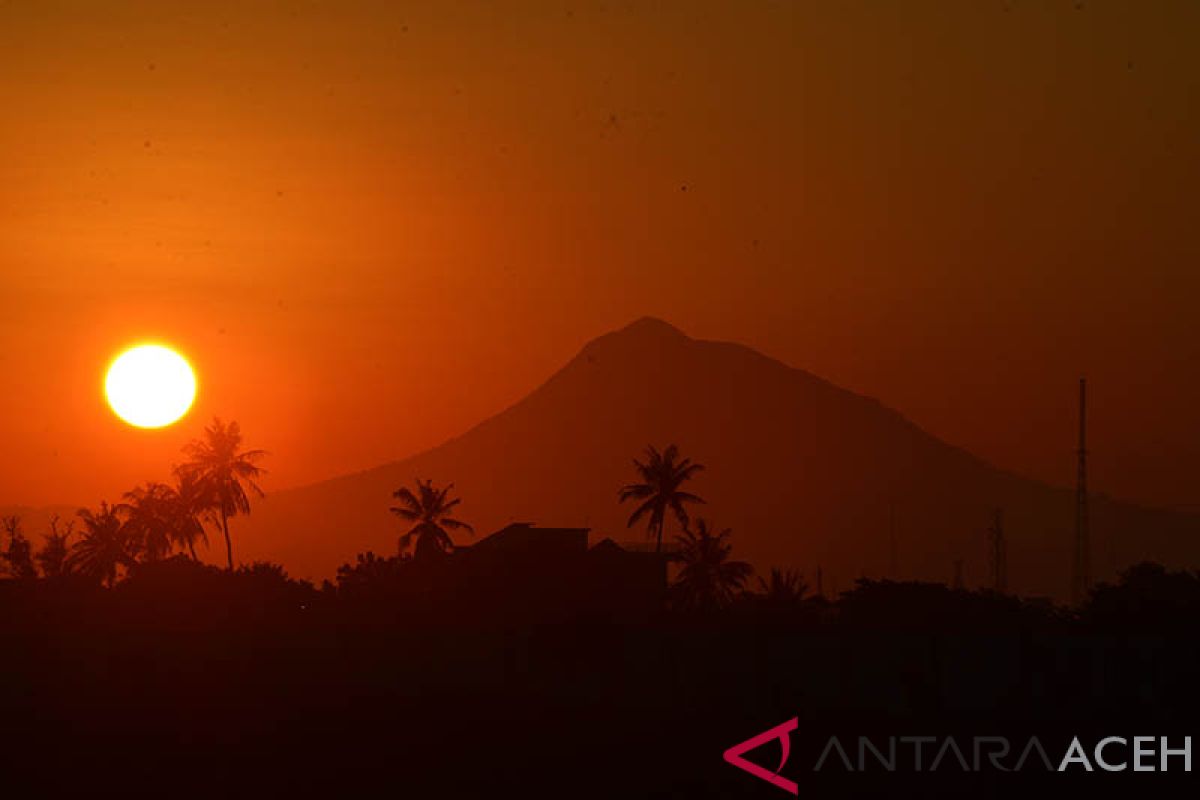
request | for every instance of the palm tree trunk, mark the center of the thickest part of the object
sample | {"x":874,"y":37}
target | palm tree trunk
{"x":228,"y":544}
{"x":658,"y":544}
{"x":192,"y":547}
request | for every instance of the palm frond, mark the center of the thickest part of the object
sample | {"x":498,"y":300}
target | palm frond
{"x":641,"y":511}
{"x":635,"y":491}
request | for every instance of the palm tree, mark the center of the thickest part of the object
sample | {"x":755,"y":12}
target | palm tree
{"x":162,"y":517}
{"x":222,"y":473}
{"x":708,"y":579}
{"x":19,"y":554}
{"x":662,"y":474}
{"x":784,"y":587}
{"x":429,"y":511}
{"x":187,"y":506}
{"x":53,"y":555}
{"x":150,"y":510}
{"x":107,"y":544}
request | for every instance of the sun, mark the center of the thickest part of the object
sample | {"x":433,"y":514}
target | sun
{"x":150,"y":386}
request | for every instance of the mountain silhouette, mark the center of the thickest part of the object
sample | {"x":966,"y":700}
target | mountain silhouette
{"x":807,"y":474}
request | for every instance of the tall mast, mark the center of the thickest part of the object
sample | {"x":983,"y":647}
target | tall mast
{"x":1081,"y":568}
{"x":893,"y":558}
{"x":998,"y":552}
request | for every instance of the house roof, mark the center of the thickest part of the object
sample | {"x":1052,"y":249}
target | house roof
{"x":526,"y":537}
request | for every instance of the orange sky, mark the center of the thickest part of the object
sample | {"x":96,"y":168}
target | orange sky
{"x":369,"y":225}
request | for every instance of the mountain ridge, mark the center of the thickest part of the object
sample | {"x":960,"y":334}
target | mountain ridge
{"x":650,"y":323}
{"x":806,"y":472}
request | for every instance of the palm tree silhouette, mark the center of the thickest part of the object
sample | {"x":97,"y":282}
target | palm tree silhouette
{"x":429,"y":511}
{"x":783,"y":588}
{"x":150,"y":509}
{"x":19,"y":555}
{"x":187,"y":507}
{"x":107,"y":544}
{"x":222,"y":473}
{"x":708,"y":579}
{"x":662,"y":474}
{"x":162,"y":517}
{"x":53,"y":555}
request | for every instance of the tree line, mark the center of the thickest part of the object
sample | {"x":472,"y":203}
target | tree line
{"x":214,"y":484}
{"x":216,"y":480}
{"x":154,"y":520}
{"x":218,"y":477}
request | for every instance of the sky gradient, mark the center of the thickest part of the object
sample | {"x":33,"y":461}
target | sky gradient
{"x":370,"y":225}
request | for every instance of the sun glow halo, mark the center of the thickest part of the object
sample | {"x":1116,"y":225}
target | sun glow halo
{"x":150,"y":386}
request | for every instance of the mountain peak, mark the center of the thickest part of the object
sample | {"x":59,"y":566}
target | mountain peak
{"x":644,"y":335}
{"x":651,"y":327}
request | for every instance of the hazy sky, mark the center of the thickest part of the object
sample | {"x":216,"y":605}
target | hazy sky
{"x":370,"y":225}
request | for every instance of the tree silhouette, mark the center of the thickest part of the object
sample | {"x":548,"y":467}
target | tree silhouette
{"x":708,"y":579}
{"x":368,"y":569}
{"x":1147,"y":597}
{"x":429,"y":511}
{"x":106,"y":546}
{"x":19,"y":553}
{"x":220,"y":473}
{"x":53,"y":555}
{"x":162,"y":517}
{"x":187,"y":507}
{"x":150,"y":509}
{"x":783,"y":588}
{"x":662,"y":474}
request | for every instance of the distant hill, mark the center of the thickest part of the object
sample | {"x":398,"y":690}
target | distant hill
{"x":805,"y":473}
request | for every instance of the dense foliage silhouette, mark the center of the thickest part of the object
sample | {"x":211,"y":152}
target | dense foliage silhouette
{"x":708,"y":578}
{"x":106,"y":546}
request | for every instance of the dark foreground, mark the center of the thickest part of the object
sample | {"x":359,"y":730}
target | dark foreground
{"x":192,"y":683}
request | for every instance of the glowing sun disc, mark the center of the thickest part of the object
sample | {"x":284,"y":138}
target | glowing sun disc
{"x":150,"y":386}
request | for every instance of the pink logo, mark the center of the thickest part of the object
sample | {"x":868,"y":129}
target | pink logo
{"x":734,"y":755}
